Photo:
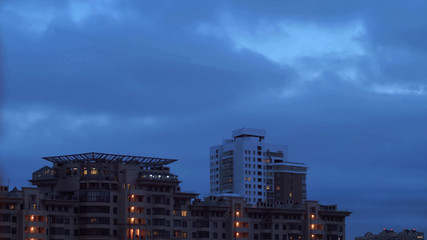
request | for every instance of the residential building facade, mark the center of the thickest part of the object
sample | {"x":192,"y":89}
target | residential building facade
{"x":108,"y":196}
{"x":257,"y":170}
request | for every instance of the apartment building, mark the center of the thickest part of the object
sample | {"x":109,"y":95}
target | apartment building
{"x":257,"y":170}
{"x":109,"y":196}
{"x":96,"y":196}
{"x":389,"y":234}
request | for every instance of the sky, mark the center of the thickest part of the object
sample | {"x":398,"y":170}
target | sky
{"x":343,"y":83}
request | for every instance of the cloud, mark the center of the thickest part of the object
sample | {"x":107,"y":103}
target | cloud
{"x":287,"y":41}
{"x":343,"y":84}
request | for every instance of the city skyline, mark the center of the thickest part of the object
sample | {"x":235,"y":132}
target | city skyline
{"x":342,"y":84}
{"x":136,"y":197}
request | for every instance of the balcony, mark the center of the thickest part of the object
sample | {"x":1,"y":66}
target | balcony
{"x":45,"y":173}
{"x":158,"y":177}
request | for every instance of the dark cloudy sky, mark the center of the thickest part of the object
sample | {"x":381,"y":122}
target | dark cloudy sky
{"x":344,"y":83}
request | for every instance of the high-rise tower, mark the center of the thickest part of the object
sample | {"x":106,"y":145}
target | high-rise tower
{"x":259,"y":171}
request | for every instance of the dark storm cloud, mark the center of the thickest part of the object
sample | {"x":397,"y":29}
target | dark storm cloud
{"x":343,"y":84}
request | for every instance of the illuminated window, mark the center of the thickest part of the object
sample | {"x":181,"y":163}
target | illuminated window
{"x":184,"y":213}
{"x":84,"y":171}
{"x":237,"y":214}
{"x":290,"y":194}
{"x":94,"y":171}
{"x":184,"y":234}
{"x":312,"y":216}
{"x":278,"y":188}
{"x":12,"y":207}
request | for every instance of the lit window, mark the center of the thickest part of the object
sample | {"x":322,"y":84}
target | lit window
{"x":290,"y":194}
{"x":94,"y":171}
{"x":184,"y":213}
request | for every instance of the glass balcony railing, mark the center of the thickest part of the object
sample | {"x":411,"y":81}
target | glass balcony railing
{"x":158,"y":177}
{"x":44,"y":173}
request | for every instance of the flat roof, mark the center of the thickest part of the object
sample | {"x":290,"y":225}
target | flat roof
{"x":106,"y":157}
{"x":248,"y":132}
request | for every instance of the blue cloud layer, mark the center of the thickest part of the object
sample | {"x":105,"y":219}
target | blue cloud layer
{"x":343,"y":84}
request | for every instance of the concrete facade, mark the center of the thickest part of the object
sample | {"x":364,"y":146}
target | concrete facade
{"x":257,"y":170}
{"x":107,"y":196}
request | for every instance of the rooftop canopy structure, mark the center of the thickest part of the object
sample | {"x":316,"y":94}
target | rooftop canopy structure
{"x":105,"y":157}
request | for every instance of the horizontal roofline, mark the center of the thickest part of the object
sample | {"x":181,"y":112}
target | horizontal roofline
{"x":106,"y":157}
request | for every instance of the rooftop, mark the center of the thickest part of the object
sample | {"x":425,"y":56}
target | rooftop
{"x":249,"y":132}
{"x":106,"y":157}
